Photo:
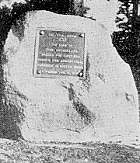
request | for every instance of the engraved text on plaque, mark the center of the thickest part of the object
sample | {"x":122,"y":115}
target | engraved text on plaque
{"x":59,"y":53}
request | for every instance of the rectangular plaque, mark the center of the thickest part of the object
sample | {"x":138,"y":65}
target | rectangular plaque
{"x":59,"y":53}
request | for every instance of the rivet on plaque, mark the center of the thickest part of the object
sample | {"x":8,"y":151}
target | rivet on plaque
{"x":81,"y":35}
{"x":42,"y":32}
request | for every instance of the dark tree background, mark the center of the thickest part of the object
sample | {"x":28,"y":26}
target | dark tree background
{"x":126,"y":40}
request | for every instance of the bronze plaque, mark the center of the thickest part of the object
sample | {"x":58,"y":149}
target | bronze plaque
{"x":59,"y":53}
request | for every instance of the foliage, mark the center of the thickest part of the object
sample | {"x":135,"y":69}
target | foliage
{"x":125,"y":40}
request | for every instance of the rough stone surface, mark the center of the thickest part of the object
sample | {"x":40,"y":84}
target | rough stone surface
{"x":103,"y":107}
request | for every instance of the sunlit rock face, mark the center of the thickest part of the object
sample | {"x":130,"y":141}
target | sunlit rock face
{"x":104,"y":12}
{"x":101,"y":107}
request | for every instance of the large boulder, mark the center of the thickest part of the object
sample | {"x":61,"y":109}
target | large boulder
{"x":102,"y":106}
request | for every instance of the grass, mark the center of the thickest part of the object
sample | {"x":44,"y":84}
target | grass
{"x":21,"y":151}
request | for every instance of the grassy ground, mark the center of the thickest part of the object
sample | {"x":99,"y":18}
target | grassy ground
{"x":24,"y":152}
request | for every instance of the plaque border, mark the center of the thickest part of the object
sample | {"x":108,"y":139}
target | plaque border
{"x":36,"y":53}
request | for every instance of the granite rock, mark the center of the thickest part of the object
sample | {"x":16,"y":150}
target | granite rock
{"x":101,"y":107}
